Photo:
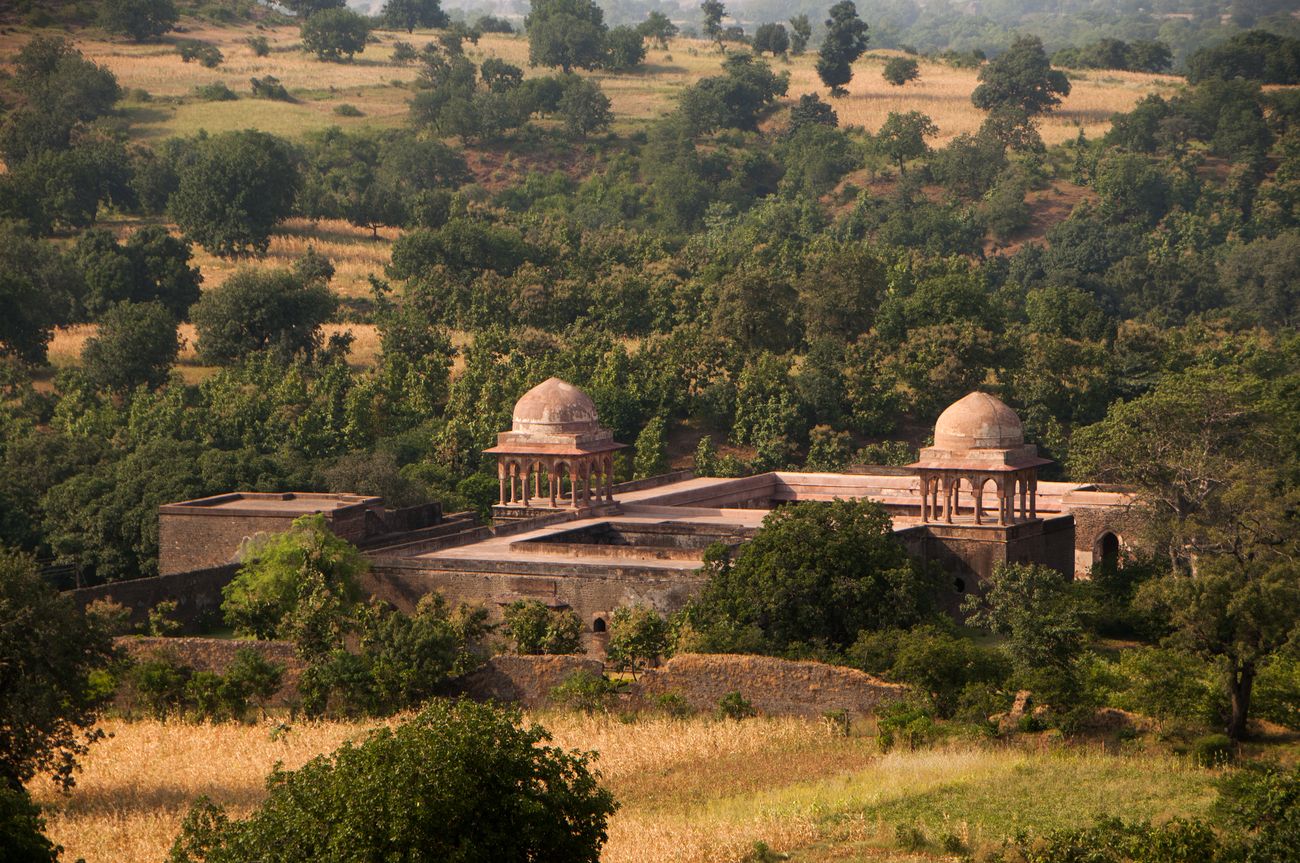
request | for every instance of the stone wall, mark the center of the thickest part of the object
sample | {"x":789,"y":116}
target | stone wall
{"x":777,"y":687}
{"x":197,"y":595}
{"x":592,"y":592}
{"x":524,"y":680}
{"x":216,"y":654}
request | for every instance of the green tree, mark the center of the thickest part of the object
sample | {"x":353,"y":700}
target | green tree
{"x":902,"y":137}
{"x":713,"y":12}
{"x":409,"y":14}
{"x":307,"y":8}
{"x":38,"y":286}
{"x":735,"y":100}
{"x":48,"y":650}
{"x":800,"y":34}
{"x":278,"y":569}
{"x":584,"y":108}
{"x":60,"y":91}
{"x":22,"y":829}
{"x":537,"y":629}
{"x":1021,"y":77}
{"x":899,"y":70}
{"x":846,"y":41}
{"x":136,"y":344}
{"x":638,"y":636}
{"x":142,"y":20}
{"x":816,"y":573}
{"x":624,"y":49}
{"x":566,"y":33}
{"x":1034,"y":607}
{"x":659,"y":27}
{"x":812,"y":111}
{"x":771,"y":38}
{"x":335,"y":34}
{"x":233,"y":189}
{"x":651,"y":450}
{"x":460,"y":781}
{"x":261,"y":310}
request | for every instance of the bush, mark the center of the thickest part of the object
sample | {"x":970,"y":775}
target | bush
{"x":585,"y":691}
{"x":672,"y":704}
{"x":258,"y":45}
{"x":22,"y":830}
{"x":538,"y":630}
{"x":1212,"y":750}
{"x":142,"y":20}
{"x":208,"y":56}
{"x":335,"y":34}
{"x":909,"y":837}
{"x":906,"y":723}
{"x":348,"y":110}
{"x":404,"y":52}
{"x":215,"y":92}
{"x":460,"y":781}
{"x":733,"y":705}
{"x":899,"y":70}
{"x":269,"y":88}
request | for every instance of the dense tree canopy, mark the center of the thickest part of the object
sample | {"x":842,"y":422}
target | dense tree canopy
{"x":409,"y":14}
{"x":140,"y":19}
{"x":233,"y":190}
{"x":566,"y":33}
{"x":815,"y":574}
{"x":335,"y":34}
{"x":1023,"y":78}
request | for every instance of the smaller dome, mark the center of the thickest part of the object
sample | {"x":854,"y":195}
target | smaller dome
{"x":555,"y":407}
{"x":978,"y":421}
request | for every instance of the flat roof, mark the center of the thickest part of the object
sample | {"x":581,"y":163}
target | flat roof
{"x":289,"y":504}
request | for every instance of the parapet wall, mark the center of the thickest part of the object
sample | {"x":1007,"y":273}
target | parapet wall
{"x":197,"y":595}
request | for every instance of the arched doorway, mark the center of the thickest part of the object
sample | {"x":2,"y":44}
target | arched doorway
{"x":1105,"y":551}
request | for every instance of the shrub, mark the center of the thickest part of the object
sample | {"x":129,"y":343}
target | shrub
{"x":638,"y":636}
{"x":404,"y":52}
{"x":208,"y":56}
{"x":899,"y":70}
{"x":159,"y":683}
{"x":1212,"y":750}
{"x":733,"y":705}
{"x":162,"y":619}
{"x":22,"y":829}
{"x":460,"y":781}
{"x":348,"y":110}
{"x":215,"y":92}
{"x":258,"y":45}
{"x":537,"y":629}
{"x":906,"y":723}
{"x":909,"y":837}
{"x":269,"y":88}
{"x":585,"y":691}
{"x":673,"y":704}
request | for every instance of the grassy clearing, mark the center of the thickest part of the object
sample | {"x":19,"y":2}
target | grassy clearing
{"x":378,"y":86}
{"x":694,"y":790}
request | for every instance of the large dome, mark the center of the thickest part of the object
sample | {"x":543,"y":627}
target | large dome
{"x":555,"y":407}
{"x":978,"y":421}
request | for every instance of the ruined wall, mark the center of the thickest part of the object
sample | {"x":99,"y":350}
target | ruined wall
{"x":779,"y":687}
{"x":197,"y":595}
{"x":216,"y":654}
{"x":591,"y":592}
{"x":525,"y":680}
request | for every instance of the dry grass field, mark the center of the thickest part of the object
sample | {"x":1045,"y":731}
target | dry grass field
{"x":690,"y":790}
{"x":378,"y":86}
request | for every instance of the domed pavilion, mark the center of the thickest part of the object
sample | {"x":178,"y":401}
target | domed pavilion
{"x":978,"y":440}
{"x":556,"y":453}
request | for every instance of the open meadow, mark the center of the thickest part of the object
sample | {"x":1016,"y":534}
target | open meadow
{"x":689,"y":790}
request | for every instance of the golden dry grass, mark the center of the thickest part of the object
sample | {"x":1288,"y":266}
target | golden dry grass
{"x":690,"y":791}
{"x":375,"y":84}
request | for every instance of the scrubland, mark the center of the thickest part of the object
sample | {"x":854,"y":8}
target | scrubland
{"x":689,"y":790}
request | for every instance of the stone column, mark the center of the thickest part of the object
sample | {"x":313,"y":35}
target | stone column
{"x":947,"y":499}
{"x":573,"y":485}
{"x":979,"y":500}
{"x":551,"y":481}
{"x":523,"y":482}
{"x":501,"y":481}
{"x":1024,"y":496}
{"x":1033,"y":496}
{"x":924,"y":488}
{"x":1002,"y":501}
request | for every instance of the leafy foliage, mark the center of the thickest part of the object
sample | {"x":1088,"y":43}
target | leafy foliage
{"x":1022,"y":78}
{"x":458,"y":781}
{"x":845,"y":41}
{"x":537,"y":629}
{"x":48,"y":706}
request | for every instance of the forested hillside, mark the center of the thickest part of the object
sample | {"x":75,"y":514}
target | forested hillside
{"x":433,"y":222}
